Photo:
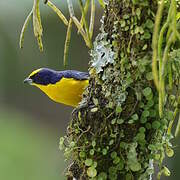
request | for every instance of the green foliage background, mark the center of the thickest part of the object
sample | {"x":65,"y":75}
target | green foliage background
{"x":27,"y":152}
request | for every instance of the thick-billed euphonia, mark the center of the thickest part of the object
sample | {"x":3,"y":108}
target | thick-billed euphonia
{"x":64,"y":87}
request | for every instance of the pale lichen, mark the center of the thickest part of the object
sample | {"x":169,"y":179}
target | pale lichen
{"x":102,"y":53}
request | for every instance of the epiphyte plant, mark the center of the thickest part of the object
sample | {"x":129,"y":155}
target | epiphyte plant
{"x":84,"y":29}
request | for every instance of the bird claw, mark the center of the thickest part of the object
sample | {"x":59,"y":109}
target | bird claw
{"x":76,"y":112}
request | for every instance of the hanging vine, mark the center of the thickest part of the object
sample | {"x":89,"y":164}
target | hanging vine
{"x":82,"y":25}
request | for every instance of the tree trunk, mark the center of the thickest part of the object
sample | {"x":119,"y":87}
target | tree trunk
{"x":116,"y":133}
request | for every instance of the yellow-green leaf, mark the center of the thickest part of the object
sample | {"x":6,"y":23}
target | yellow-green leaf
{"x":86,"y":7}
{"x":91,"y":26}
{"x":58,"y":12}
{"x":21,"y":41}
{"x":68,"y":37}
{"x":37,"y":24}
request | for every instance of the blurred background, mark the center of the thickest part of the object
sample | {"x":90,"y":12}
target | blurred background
{"x":30,"y":123}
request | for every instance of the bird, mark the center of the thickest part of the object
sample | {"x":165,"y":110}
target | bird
{"x":64,"y":87}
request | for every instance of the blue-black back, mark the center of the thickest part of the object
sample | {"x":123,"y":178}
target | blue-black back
{"x":48,"y":76}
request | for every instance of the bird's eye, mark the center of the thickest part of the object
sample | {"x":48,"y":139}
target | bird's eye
{"x":35,"y":78}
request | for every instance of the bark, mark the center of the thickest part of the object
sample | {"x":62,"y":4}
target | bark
{"x":115,"y":133}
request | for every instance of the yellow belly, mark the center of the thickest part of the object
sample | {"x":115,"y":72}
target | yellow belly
{"x":67,"y":91}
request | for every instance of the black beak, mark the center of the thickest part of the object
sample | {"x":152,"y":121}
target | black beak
{"x":28,"y":80}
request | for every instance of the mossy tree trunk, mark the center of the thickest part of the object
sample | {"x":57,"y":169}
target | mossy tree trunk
{"x":116,"y":132}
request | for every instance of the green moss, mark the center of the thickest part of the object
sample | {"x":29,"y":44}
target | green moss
{"x":116,"y":132}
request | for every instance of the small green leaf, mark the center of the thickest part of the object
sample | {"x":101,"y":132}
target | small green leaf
{"x":120,"y":165}
{"x":104,"y":151}
{"x":148,"y":125}
{"x":156,"y":125}
{"x":88,"y":162}
{"x":113,"y":121}
{"x":91,"y":172}
{"x":72,"y":144}
{"x":135,"y":117}
{"x":116,"y":160}
{"x":93,"y":143}
{"x":82,"y":154}
{"x":132,"y":160}
{"x":143,"y":120}
{"x":149,"y":24}
{"x":93,"y":110}
{"x":61,"y":143}
{"x":131,"y":121}
{"x":123,"y":23}
{"x":126,"y":16}
{"x":111,"y":142}
{"x":149,"y":76}
{"x":141,"y":104}
{"x":102,"y":176}
{"x":147,"y":91}
{"x":170,"y":115}
{"x":145,"y":113}
{"x":94,"y":164}
{"x":149,"y":97}
{"x":157,"y":156}
{"x":144,"y":47}
{"x":152,"y":147}
{"x":169,"y":152}
{"x":150,"y":103}
{"x":142,"y":129}
{"x":152,"y":113}
{"x":95,"y":101}
{"x":120,"y":121}
{"x":138,"y":95}
{"x":140,"y":136}
{"x":166,"y":171}
{"x":118,"y":109}
{"x":135,"y":166}
{"x":178,"y":15}
{"x":113,"y":154}
{"x":138,"y":12}
{"x":123,"y":145}
{"x":146,"y":35}
{"x":91,"y":152}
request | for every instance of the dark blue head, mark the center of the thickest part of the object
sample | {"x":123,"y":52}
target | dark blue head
{"x":43,"y":76}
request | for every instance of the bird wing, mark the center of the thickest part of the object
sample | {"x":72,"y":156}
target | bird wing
{"x":78,"y":75}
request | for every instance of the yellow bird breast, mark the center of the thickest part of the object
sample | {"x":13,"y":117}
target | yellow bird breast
{"x":67,"y":91}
